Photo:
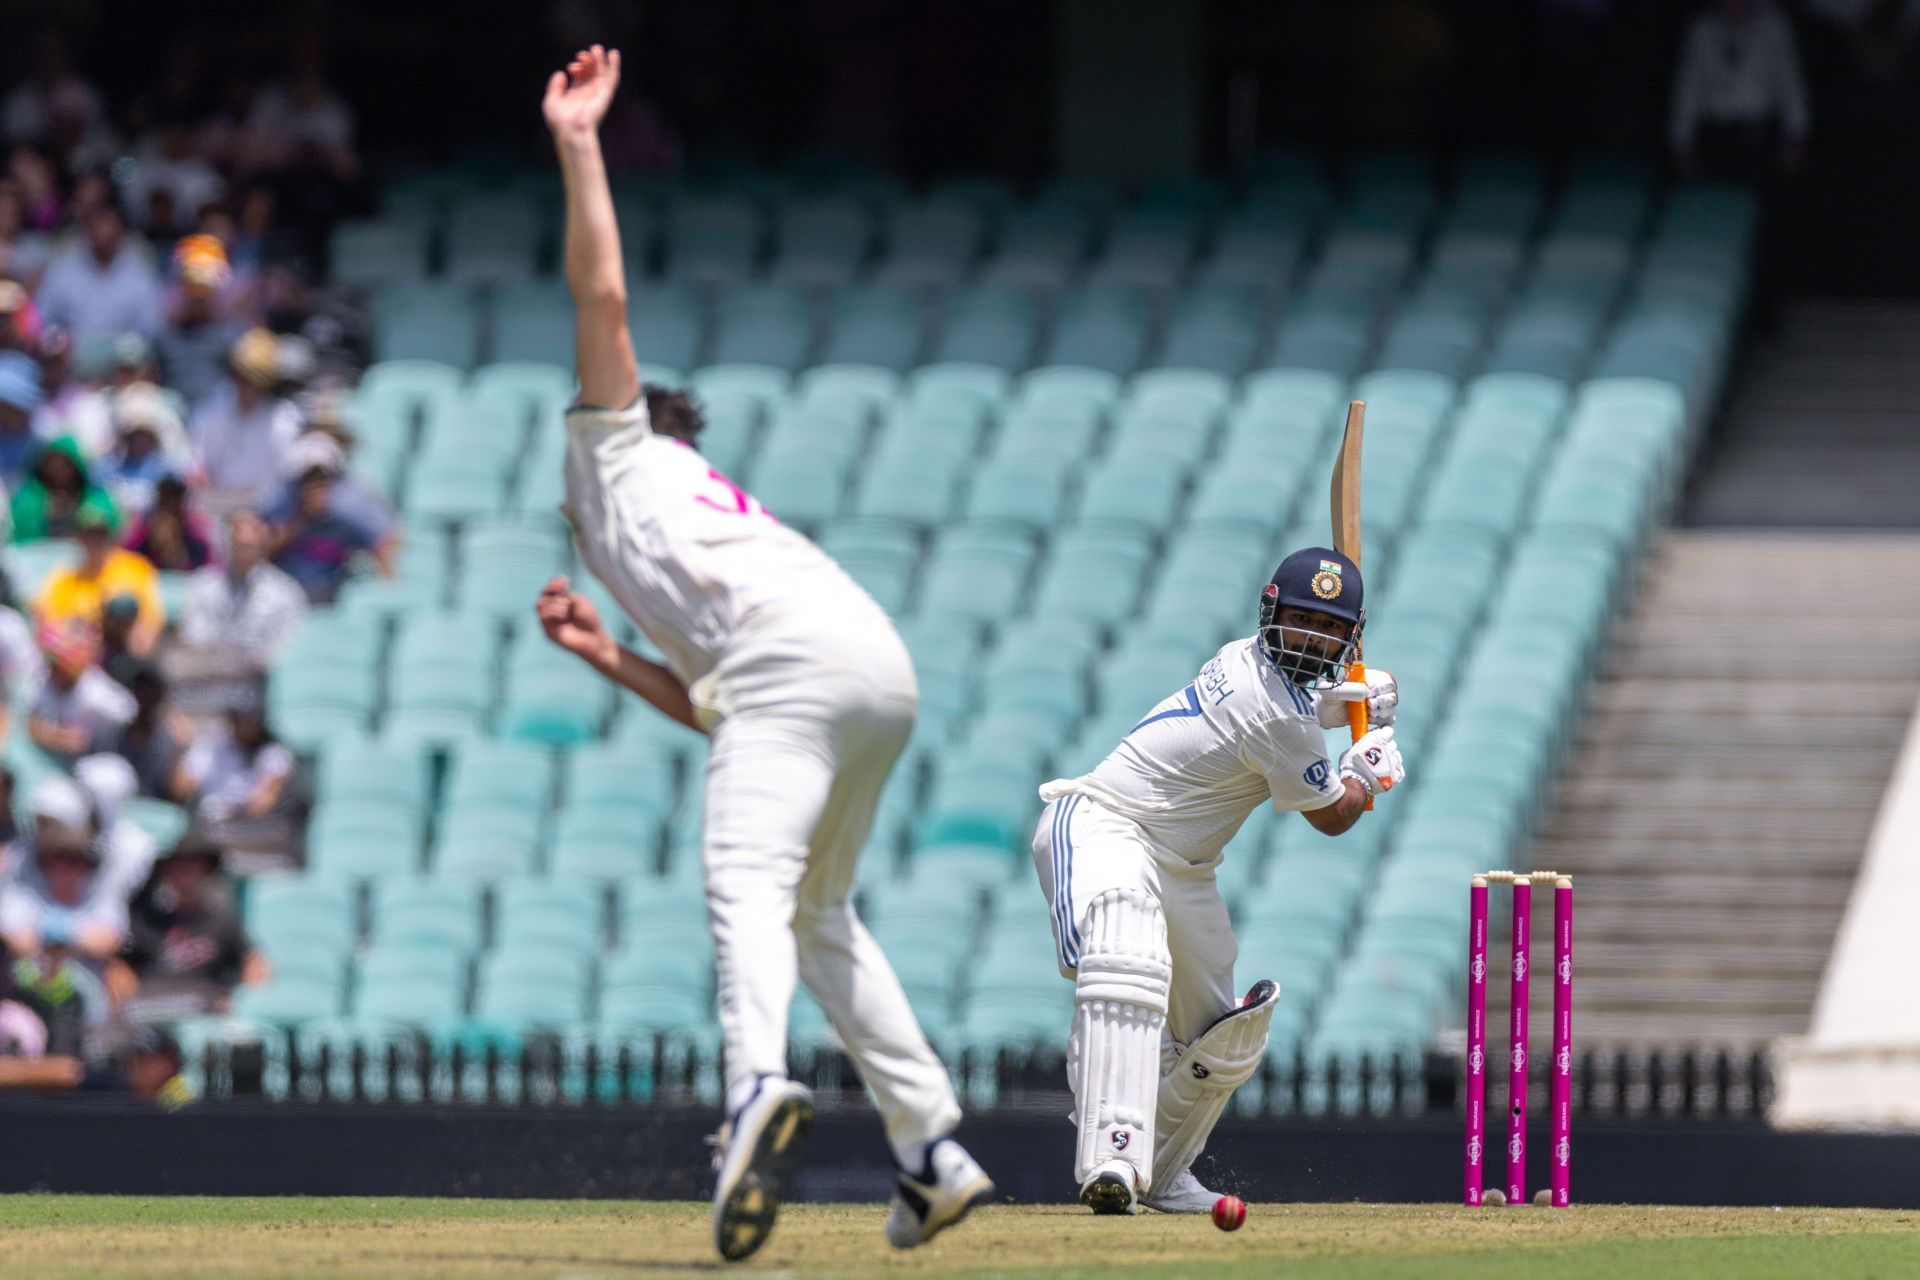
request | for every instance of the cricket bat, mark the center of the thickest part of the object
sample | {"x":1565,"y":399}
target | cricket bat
{"x":1346,"y":536}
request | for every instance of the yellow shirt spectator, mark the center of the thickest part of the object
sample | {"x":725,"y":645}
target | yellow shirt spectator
{"x":79,"y":593}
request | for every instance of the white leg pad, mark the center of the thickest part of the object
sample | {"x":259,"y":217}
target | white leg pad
{"x":1120,"y":1008}
{"x":1204,"y":1076}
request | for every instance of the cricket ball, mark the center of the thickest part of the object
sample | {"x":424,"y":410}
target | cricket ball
{"x":1229,"y":1212}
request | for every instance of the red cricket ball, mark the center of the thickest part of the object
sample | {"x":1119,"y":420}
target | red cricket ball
{"x":1229,"y":1212}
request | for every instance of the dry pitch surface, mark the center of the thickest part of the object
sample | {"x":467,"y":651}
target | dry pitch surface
{"x":54,"y":1237}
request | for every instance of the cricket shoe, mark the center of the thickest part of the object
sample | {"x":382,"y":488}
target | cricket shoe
{"x":1111,"y":1189}
{"x":945,"y":1190}
{"x":757,"y":1147}
{"x":1183,"y":1195}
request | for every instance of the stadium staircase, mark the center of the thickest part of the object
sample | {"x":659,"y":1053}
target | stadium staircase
{"x":1726,"y":779}
{"x":1819,"y":433}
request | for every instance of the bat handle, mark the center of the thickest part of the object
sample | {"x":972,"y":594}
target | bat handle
{"x":1357,"y":709}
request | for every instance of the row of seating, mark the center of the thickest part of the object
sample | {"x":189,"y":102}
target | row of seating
{"x":827,"y":238}
{"x":1048,"y":604}
{"x":1277,"y":301}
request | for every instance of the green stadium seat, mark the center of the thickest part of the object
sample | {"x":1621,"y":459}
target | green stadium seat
{"x":290,"y":909}
{"x":488,"y":844}
{"x":566,"y":915}
{"x":454,"y":488}
{"x":371,"y":252}
{"x":431,"y":322}
{"x":917,"y":489}
{"x":712,"y":240}
{"x":290,"y":1001}
{"x":386,"y":842}
{"x":823,"y":241}
{"x":1144,"y":493}
{"x":540,"y":390}
{"x":413,"y":913}
{"x":530,"y":991}
{"x":991,"y":333}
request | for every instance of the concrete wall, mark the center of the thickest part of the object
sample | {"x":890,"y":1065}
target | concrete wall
{"x":1859,"y":1065}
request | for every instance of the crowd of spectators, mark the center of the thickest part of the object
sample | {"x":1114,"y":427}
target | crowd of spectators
{"x":173,"y":463}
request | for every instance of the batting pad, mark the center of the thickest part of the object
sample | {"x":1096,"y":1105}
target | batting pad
{"x":1119,"y":1011}
{"x":1195,"y":1092}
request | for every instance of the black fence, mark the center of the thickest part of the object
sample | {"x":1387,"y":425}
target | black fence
{"x":1681,"y":1083}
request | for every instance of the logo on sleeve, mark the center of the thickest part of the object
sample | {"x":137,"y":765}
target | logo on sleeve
{"x":1317,"y":774}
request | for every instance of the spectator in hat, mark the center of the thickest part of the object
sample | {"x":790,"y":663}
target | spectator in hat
{"x":244,"y":431}
{"x":61,"y":900}
{"x":201,"y":329}
{"x":186,"y":944}
{"x":172,"y":535}
{"x":76,"y":704}
{"x":149,"y":444}
{"x":323,"y":518}
{"x":90,"y":802}
{"x":249,"y":605}
{"x":19,"y":397}
{"x":60,"y":488}
{"x":153,"y":741}
{"x":237,"y":769}
{"x":80,"y":592}
{"x":104,"y":286}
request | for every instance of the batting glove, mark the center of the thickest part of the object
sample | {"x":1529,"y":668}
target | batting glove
{"x":1383,"y":699}
{"x":1374,"y":762}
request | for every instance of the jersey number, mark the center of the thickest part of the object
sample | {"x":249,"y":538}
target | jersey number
{"x":736,"y":501}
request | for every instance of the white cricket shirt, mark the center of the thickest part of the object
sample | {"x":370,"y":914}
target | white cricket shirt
{"x":1200,"y":762}
{"x":688,"y":554}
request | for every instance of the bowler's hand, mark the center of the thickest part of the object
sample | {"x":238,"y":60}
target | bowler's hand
{"x":571,"y":621}
{"x":577,"y":98}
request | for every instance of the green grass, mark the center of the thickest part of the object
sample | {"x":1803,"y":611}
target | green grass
{"x":56,"y":1237}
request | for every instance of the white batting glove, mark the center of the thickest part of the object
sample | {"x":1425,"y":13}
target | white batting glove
{"x":1374,"y":762}
{"x":1382,"y":694}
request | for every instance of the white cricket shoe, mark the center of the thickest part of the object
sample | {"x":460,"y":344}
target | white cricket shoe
{"x":1183,"y":1195}
{"x":937,"y":1197}
{"x":1112,"y":1188}
{"x":757,"y":1147}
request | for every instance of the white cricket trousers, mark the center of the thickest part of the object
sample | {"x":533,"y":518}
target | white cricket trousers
{"x":810,"y":720}
{"x":1081,"y":850}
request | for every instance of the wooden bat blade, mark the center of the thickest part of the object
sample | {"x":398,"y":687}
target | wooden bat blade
{"x":1346,"y":485}
{"x":1346,"y":534}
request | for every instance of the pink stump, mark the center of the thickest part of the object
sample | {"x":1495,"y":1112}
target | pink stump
{"x":1476,"y":1039}
{"x":1517,"y":1052}
{"x":1561,"y":1165}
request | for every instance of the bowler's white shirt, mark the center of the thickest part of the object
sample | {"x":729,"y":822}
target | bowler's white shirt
{"x":689,"y":555}
{"x":1197,"y":765}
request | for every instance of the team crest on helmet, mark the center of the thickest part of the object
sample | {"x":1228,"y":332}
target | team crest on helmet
{"x":1326,"y":583}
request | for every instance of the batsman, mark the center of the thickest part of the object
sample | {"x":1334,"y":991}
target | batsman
{"x":1126,"y":856}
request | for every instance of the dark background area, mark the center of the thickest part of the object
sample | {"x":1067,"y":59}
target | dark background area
{"x":944,"y":86}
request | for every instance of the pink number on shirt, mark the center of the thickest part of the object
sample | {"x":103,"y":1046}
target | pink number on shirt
{"x":737,"y":502}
